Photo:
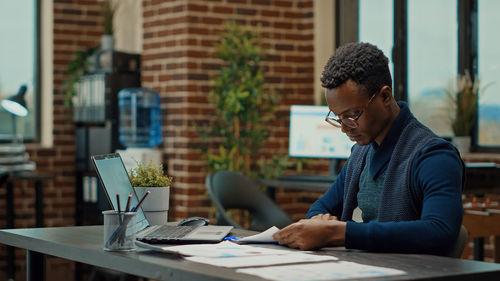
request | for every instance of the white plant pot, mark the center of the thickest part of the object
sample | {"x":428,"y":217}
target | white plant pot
{"x":462,"y":144}
{"x":107,"y":42}
{"x":156,"y":205}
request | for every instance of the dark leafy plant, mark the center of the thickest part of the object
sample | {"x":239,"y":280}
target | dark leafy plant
{"x":463,"y":99}
{"x":76,"y":69}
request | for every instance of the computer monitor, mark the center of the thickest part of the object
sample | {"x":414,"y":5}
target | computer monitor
{"x":312,"y":137}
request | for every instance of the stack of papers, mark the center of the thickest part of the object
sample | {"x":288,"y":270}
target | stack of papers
{"x":229,"y":254}
{"x":272,"y":262}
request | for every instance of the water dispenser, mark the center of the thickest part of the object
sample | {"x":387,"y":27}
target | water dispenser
{"x":139,"y":117}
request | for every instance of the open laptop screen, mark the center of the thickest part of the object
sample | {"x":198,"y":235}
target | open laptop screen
{"x":114,"y":179}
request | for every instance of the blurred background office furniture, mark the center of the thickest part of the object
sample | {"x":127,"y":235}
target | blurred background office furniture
{"x":96,"y":118}
{"x":483,"y":223}
{"x":297,"y":182}
{"x":482,"y":206}
{"x":231,"y":190}
{"x":9,"y":179}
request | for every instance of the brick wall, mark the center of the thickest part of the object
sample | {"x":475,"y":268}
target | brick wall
{"x":179,"y":61}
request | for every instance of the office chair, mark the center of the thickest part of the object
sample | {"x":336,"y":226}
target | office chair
{"x":231,"y":190}
{"x":457,"y":250}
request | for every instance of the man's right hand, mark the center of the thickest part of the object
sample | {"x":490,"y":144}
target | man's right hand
{"x":324,"y":217}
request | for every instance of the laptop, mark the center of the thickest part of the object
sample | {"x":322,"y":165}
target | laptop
{"x":114,"y":178}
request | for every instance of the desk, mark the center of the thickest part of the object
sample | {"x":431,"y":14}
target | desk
{"x":38,"y":180}
{"x":296,"y":184}
{"x":84,"y":244}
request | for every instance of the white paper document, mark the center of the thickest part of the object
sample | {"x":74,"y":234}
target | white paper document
{"x":320,"y":271}
{"x":248,"y":261}
{"x":223,"y":249}
{"x":263,"y":237}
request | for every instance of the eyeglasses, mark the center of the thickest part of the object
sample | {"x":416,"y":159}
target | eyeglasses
{"x":351,"y":120}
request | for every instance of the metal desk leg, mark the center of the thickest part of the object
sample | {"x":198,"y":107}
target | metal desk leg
{"x":35,"y":266}
{"x":10,"y":224}
{"x":38,"y":203}
{"x":479,"y":248}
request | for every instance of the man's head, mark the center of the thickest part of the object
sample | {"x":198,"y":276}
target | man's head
{"x":363,"y":63}
{"x":358,"y":91}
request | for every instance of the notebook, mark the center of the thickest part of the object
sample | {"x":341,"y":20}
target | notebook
{"x":114,"y":178}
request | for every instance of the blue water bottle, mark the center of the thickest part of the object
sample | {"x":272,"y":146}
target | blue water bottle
{"x":139,"y":117}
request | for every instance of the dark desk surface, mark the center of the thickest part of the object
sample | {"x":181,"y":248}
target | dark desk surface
{"x":84,"y":244}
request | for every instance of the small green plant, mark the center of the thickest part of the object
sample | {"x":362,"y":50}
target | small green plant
{"x":77,"y":68}
{"x":149,"y":175}
{"x":108,"y":12}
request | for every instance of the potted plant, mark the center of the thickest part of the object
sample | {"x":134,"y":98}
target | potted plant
{"x":244,"y":107}
{"x":149,"y":177}
{"x":108,"y":12}
{"x":77,"y":68}
{"x":463,"y":99}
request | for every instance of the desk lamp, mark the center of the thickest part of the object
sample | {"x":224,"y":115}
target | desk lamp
{"x":16,"y":105}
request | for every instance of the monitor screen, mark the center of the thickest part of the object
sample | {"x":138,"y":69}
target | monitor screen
{"x":311,"y":136}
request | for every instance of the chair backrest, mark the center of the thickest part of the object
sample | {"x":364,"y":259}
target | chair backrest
{"x":460,"y":243}
{"x":231,"y":190}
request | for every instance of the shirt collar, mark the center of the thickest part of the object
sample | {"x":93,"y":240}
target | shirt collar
{"x":382,"y":153}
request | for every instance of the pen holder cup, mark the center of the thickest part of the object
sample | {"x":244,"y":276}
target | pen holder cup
{"x":119,"y":231}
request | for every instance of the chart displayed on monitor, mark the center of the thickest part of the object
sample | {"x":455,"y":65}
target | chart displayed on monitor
{"x":311,"y":136}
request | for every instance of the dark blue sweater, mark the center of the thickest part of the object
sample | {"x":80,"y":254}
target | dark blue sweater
{"x":437,"y":174}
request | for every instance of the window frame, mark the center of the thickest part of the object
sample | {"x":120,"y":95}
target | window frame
{"x":36,"y":88}
{"x":467,"y":17}
{"x":37,"y":75}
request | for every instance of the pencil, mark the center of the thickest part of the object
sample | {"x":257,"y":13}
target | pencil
{"x":128,"y":202}
{"x":142,"y":200}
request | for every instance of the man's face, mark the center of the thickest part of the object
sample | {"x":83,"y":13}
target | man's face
{"x":347,"y":100}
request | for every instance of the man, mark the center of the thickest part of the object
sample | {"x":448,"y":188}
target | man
{"x":406,"y":181}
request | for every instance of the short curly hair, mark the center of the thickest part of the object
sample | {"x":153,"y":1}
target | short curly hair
{"x":364,"y":63}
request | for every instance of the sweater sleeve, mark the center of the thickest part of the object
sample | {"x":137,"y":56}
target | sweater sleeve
{"x":331,"y":202}
{"x":438,"y":176}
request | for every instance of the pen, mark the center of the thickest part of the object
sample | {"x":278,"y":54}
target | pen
{"x":128,"y":202}
{"x":140,"y":202}
{"x":231,"y":238}
{"x":119,"y":216}
{"x":118,"y":202}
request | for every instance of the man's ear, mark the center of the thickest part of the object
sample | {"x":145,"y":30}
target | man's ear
{"x":386,"y":94}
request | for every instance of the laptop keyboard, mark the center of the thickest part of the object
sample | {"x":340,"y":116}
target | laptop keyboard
{"x":169,"y":232}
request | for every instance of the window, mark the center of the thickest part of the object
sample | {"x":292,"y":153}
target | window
{"x":432,"y":38}
{"x":377,"y":28}
{"x":488,"y":73}
{"x":430,"y":43}
{"x":19,"y":54}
